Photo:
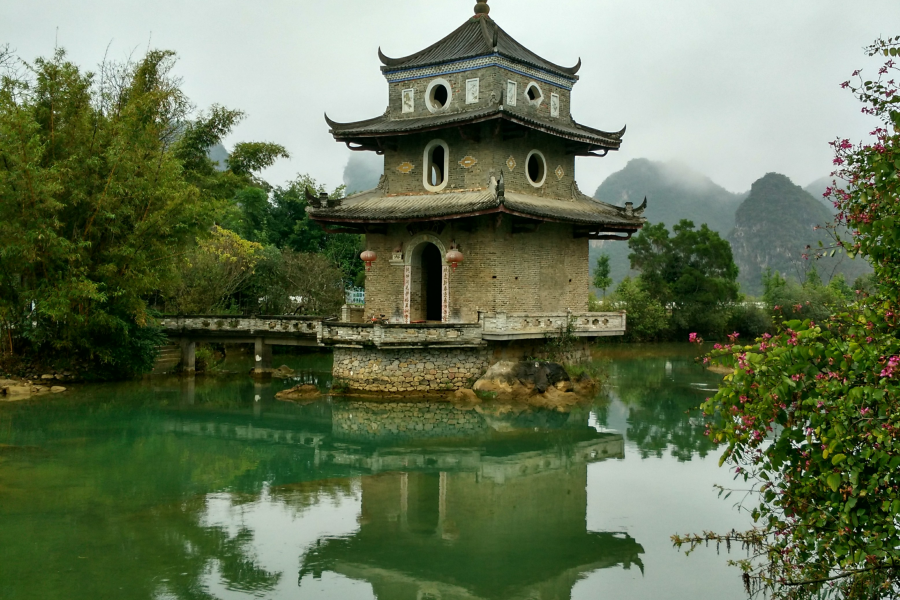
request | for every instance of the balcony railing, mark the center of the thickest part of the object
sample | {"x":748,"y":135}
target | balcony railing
{"x":449,"y":335}
{"x":513,"y":326}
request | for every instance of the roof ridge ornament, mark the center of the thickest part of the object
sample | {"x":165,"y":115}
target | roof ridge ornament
{"x":482,"y":8}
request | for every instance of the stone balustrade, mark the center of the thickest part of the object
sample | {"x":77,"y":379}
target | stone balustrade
{"x":512,"y":326}
{"x":347,"y":334}
{"x":234,"y":325}
{"x":418,"y":335}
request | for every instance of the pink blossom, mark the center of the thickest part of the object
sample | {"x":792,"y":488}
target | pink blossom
{"x":892,"y":364}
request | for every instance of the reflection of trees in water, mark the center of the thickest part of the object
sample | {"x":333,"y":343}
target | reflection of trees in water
{"x":663,"y":406}
{"x":115,"y":524}
{"x":108,"y":499}
{"x":303,"y":495}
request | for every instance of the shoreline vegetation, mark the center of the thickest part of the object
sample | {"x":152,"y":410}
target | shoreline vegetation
{"x":112,"y":212}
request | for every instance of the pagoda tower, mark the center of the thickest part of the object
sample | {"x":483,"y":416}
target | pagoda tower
{"x":478,"y":218}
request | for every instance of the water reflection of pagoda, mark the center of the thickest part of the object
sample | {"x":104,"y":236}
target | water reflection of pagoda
{"x":505,"y":519}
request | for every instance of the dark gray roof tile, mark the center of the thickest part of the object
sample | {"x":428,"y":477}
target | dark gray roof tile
{"x":386,"y":126}
{"x":479,"y":36}
{"x":374,"y":206}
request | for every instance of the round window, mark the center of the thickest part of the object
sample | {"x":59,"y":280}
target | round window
{"x":536,"y":168}
{"x":438,"y":95}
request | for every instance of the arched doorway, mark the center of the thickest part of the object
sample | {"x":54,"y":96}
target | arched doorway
{"x":432,"y":281}
{"x":424,"y":287}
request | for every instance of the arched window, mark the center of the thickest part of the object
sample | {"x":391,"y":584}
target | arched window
{"x":536,"y":168}
{"x":438,"y":95}
{"x":437,"y":165}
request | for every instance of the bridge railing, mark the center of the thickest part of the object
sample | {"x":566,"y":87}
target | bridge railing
{"x":355,"y":296}
{"x":400,"y":335}
{"x":234,"y":324}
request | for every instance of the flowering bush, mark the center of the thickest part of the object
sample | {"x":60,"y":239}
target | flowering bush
{"x":814,"y":416}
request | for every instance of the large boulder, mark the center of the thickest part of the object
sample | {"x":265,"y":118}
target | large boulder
{"x":519,"y":380}
{"x":18,"y":390}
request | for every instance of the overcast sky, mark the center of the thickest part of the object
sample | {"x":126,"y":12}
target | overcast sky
{"x":732,"y":89}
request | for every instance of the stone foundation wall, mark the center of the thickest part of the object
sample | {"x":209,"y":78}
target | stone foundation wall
{"x":409,"y":370}
{"x":436,"y":369}
{"x":397,"y":421}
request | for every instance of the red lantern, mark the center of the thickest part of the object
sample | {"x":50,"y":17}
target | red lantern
{"x":368,"y":257}
{"x":454,"y":256}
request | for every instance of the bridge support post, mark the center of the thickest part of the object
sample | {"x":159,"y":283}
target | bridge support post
{"x":262,"y":354}
{"x":188,"y":390}
{"x":188,"y":356}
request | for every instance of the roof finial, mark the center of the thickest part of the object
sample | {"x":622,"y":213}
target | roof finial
{"x":482,"y":7}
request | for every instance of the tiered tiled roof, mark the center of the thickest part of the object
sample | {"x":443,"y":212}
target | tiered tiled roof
{"x":385,"y":126}
{"x":479,"y":36}
{"x":374,"y":206}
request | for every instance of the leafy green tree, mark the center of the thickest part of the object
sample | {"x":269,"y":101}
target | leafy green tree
{"x":105,"y":184}
{"x":811,"y":299}
{"x":813,"y":412}
{"x":291,"y":228}
{"x":693,"y":272}
{"x":602,"y":280}
{"x":647,"y":320}
{"x":252,"y":217}
{"x":213,"y":272}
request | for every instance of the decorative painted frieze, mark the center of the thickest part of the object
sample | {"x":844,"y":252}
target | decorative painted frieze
{"x":471,"y":64}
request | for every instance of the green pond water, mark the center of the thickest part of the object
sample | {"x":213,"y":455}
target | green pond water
{"x":180,"y":489}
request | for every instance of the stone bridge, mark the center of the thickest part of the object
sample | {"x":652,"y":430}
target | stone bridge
{"x":285,"y":330}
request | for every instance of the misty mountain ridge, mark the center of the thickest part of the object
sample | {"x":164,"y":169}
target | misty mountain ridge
{"x":674,"y":192}
{"x":817,"y":190}
{"x":768,"y":227}
{"x":773,"y":228}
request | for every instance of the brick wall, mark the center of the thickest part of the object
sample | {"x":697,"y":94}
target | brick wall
{"x":543,"y":271}
{"x":492,"y":90}
{"x":491,"y":153}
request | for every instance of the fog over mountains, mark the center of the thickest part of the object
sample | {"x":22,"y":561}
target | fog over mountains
{"x":363,"y":171}
{"x":768,"y":227}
